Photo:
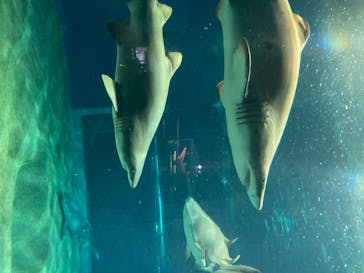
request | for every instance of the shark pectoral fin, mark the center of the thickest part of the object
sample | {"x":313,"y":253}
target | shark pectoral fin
{"x":303,"y":29}
{"x":175,"y":59}
{"x":110,"y":87}
{"x":235,"y":259}
{"x":220,"y":92}
{"x":119,"y":30}
{"x":230,"y":242}
{"x":242,"y":63}
{"x":166,"y":12}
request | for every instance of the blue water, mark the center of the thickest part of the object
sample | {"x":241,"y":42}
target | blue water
{"x":313,"y":214}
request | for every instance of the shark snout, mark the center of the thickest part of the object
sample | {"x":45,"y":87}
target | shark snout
{"x":134,"y":169}
{"x":256,"y":185}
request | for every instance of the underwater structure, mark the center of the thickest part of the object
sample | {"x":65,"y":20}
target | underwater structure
{"x":35,"y":140}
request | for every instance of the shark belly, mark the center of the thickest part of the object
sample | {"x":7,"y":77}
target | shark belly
{"x":263,"y":41}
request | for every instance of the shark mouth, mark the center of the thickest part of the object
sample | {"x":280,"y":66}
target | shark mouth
{"x":252,"y":112}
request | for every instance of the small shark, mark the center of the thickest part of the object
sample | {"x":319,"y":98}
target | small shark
{"x":262,"y":42}
{"x":236,"y":269}
{"x":140,"y":88}
{"x":205,"y":240}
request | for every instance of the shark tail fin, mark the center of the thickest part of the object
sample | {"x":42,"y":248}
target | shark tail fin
{"x":175,"y":59}
{"x":110,"y":86}
{"x":303,"y":29}
{"x":119,"y":30}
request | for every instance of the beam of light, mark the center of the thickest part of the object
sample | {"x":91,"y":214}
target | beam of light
{"x":160,"y":226}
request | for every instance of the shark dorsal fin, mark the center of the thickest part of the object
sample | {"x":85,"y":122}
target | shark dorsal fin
{"x":110,"y":86}
{"x":242,"y":63}
{"x":303,"y":29}
{"x":175,"y":59}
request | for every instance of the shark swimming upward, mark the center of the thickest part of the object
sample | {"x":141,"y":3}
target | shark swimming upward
{"x":262,"y":42}
{"x":207,"y":243}
{"x":140,"y":88}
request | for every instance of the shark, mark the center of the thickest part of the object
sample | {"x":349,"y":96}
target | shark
{"x":142,"y":76}
{"x":204,"y":238}
{"x":263,"y":41}
{"x":236,"y":269}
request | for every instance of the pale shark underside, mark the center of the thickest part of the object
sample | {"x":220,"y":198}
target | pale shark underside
{"x":262,"y":41}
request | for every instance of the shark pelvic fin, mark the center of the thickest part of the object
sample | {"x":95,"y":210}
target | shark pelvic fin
{"x":303,"y":29}
{"x":243,"y":62}
{"x":166,"y":12}
{"x":175,"y":59}
{"x":110,"y":86}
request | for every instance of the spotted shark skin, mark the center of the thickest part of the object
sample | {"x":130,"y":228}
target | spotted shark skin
{"x":263,"y":41}
{"x":140,"y":88}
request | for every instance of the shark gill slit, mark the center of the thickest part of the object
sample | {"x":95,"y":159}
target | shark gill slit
{"x":123,"y":124}
{"x":252,"y":112}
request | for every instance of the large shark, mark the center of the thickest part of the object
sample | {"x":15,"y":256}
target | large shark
{"x":262,"y":42}
{"x":140,"y":89}
{"x":205,"y":240}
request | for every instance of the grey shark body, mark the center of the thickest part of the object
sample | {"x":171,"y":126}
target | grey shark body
{"x":236,"y":269}
{"x":205,"y":240}
{"x":262,"y":41}
{"x":142,"y":76}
